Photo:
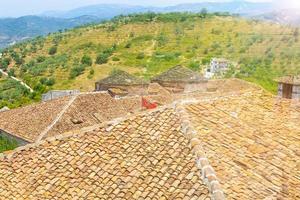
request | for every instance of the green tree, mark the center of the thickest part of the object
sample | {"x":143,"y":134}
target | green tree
{"x":53,"y":50}
{"x":102,"y":58}
{"x":86,"y":60}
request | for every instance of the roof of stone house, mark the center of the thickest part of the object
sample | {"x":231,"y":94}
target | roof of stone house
{"x":179,"y":74}
{"x":293,"y":80}
{"x":143,"y":157}
{"x":61,"y":115}
{"x":252,"y":142}
{"x":122,"y":78}
{"x":28,"y":122}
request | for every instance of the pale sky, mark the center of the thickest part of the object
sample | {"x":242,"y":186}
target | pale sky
{"x":15,"y":8}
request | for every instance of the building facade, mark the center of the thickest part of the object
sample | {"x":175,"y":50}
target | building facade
{"x":54,"y":94}
{"x":289,"y":87}
{"x":217,"y":66}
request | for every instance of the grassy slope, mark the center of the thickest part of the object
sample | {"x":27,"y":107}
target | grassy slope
{"x":262,"y":50}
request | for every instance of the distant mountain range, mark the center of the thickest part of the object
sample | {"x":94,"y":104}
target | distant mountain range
{"x":106,"y":11}
{"x":16,"y":29}
{"x":13,"y":30}
{"x":286,"y":16}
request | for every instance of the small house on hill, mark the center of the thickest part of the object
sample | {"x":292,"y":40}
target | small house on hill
{"x":181,"y":79}
{"x":121,"y":83}
{"x":54,"y":94}
{"x":289,"y":87}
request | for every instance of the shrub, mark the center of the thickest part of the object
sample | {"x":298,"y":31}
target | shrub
{"x":47,"y":82}
{"x":194,"y":65}
{"x":7,"y":144}
{"x":11,"y":72}
{"x":91,"y":74}
{"x":116,"y":59}
{"x":86,"y":60}
{"x":140,"y":56}
{"x":128,"y":45}
{"x":102,"y":58}
{"x":76,"y":71}
{"x":40,"y":59}
{"x":53,"y":50}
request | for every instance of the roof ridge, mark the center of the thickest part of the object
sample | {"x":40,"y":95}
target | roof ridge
{"x":207,"y":172}
{"x":48,"y":128}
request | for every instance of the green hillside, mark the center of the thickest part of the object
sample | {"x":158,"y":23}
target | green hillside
{"x":149,"y":44}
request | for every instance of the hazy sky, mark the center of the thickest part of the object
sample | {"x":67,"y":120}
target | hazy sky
{"x":13,"y":8}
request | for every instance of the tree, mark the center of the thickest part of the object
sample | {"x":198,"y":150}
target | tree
{"x":204,"y":12}
{"x":86,"y":60}
{"x":102,"y":58}
{"x":53,"y":50}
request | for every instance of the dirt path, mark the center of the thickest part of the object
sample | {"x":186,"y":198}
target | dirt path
{"x":16,"y":79}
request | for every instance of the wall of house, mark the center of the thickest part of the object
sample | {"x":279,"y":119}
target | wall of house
{"x":132,"y":90}
{"x":58,"y":93}
{"x":280,"y":88}
{"x":180,"y":87}
{"x":200,"y":87}
{"x":296,"y":92}
{"x":20,"y":141}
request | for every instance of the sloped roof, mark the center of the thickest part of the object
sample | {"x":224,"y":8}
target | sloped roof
{"x":28,"y":122}
{"x":252,"y":141}
{"x":145,"y":157}
{"x":57,"y":116}
{"x":293,"y":80}
{"x":245,"y":145}
{"x":179,"y":74}
{"x":122,"y":78}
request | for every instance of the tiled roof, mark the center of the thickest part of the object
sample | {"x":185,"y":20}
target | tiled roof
{"x":245,"y":144}
{"x":122,"y":78}
{"x":87,"y":110}
{"x":179,"y":74}
{"x":252,"y":141}
{"x":294,"y":80}
{"x":46,"y":119}
{"x":28,"y":122}
{"x":144,"y":157}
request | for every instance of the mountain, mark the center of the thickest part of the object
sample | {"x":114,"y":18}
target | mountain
{"x":102,"y":11}
{"x":236,"y":7}
{"x":13,"y":30}
{"x":286,"y":16}
{"x":107,"y":11}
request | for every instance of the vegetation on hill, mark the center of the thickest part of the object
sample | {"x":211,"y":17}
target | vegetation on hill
{"x":148,"y":44}
{"x":7,"y":144}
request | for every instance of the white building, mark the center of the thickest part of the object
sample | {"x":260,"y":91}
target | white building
{"x":217,"y":66}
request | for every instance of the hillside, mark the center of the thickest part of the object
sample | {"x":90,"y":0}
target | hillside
{"x":149,"y":44}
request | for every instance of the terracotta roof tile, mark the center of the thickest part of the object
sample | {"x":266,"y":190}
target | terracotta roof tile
{"x":252,"y":142}
{"x":29,"y":121}
{"x":144,"y":157}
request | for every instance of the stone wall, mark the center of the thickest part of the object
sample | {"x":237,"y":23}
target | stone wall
{"x":193,"y":87}
{"x":280,"y":88}
{"x":54,"y":94}
{"x":20,"y":141}
{"x":296,"y":92}
{"x":131,"y":90}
